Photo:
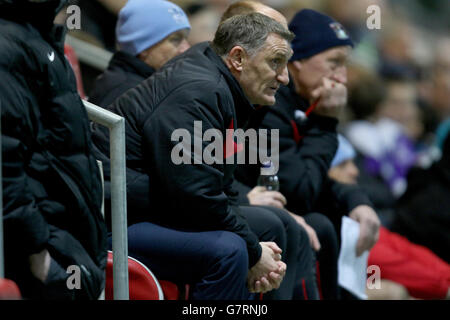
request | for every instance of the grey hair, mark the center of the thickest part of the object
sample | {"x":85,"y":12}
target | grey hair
{"x":249,"y":31}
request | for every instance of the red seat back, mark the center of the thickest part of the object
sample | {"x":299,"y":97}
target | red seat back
{"x":143,"y":285}
{"x":73,"y":60}
{"x":9,"y":290}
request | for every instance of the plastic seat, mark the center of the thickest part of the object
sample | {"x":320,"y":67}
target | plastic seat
{"x":143,"y":285}
{"x":9,"y":290}
{"x":71,"y":56}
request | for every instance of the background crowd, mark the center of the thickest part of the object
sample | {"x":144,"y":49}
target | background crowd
{"x":394,"y":141}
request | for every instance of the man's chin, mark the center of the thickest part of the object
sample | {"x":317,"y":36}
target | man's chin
{"x":266,"y":101}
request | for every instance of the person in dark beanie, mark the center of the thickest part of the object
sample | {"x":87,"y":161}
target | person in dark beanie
{"x":306,"y":115}
{"x":52,"y":191}
{"x":148,"y":33}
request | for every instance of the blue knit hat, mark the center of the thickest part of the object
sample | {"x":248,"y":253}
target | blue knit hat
{"x":314,"y":33}
{"x":344,"y":152}
{"x":144,"y":23}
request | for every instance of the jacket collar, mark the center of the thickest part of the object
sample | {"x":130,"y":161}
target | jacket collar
{"x":242,"y":105}
{"x":130,"y":63}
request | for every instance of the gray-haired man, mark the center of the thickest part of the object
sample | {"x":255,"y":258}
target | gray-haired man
{"x":216,"y":84}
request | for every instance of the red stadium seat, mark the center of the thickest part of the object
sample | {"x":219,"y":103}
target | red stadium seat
{"x":9,"y":290}
{"x":71,"y":56}
{"x":143,"y":284}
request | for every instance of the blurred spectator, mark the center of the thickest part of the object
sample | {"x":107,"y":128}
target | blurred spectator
{"x":99,"y":19}
{"x":423,"y":212}
{"x":52,"y":191}
{"x":149,"y":33}
{"x":386,"y":125}
{"x":204,"y":21}
{"x":440,"y":90}
{"x":406,"y":269}
{"x":400,"y":105}
{"x":308,"y":138}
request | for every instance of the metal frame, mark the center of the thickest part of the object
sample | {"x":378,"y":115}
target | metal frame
{"x":116,"y":125}
{"x":90,"y":54}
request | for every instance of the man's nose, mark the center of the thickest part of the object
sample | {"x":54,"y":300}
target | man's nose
{"x":340,"y":75}
{"x":184,"y":45}
{"x":283,"y":77}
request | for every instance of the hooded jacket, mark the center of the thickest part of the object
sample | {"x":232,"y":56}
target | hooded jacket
{"x":51,"y":182}
{"x":194,"y":86}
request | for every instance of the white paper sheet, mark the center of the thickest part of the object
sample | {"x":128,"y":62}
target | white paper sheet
{"x":352,"y":270}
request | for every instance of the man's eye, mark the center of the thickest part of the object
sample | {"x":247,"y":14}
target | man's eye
{"x":176,"y":40}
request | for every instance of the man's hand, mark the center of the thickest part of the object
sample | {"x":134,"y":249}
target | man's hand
{"x":333,"y":97}
{"x":269,"y":271}
{"x":259,"y":196}
{"x":369,"y":226}
{"x":40,"y":264}
{"x":313,"y":239}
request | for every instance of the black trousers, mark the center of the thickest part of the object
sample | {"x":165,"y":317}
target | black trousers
{"x":327,"y":257}
{"x":273,"y":224}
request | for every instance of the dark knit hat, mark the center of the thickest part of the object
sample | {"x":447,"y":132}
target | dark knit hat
{"x":314,"y":33}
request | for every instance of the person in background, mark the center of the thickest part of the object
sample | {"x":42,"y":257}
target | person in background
{"x":52,"y":190}
{"x":422,"y":214}
{"x":407,"y":270}
{"x":301,"y":283}
{"x":306,"y":115}
{"x":204,"y":21}
{"x":148,"y":33}
{"x":99,"y":18}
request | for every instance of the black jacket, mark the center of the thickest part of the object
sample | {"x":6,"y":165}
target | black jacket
{"x":195,"y":86}
{"x":307,"y":147}
{"x":51,"y":183}
{"x":423,"y":211}
{"x":124,"y":72}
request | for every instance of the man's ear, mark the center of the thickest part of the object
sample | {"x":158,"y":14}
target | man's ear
{"x":296,"y":65}
{"x":235,"y":58}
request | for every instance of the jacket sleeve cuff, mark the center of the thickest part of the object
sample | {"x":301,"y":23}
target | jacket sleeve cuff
{"x":254,"y":254}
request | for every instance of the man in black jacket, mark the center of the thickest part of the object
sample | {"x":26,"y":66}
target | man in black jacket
{"x":306,"y":115}
{"x":124,"y":73}
{"x":212,"y":87}
{"x":51,"y":181}
{"x":148,"y":33}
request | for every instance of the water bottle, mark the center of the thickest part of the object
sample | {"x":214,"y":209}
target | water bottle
{"x":268,"y":180}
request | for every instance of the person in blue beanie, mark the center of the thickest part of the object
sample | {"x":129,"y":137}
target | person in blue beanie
{"x":148,"y":33}
{"x":306,"y":114}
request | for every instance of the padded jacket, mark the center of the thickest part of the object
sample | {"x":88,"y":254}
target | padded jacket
{"x":51,"y":182}
{"x":194,"y":86}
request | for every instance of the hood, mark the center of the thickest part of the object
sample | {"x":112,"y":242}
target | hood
{"x":40,"y":13}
